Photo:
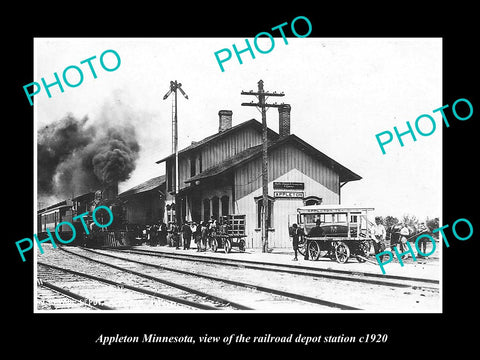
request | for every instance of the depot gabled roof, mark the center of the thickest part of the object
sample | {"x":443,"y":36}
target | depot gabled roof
{"x":198,"y":144}
{"x":256,"y":151}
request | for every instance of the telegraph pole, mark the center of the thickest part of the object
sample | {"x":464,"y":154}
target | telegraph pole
{"x":262,"y":105}
{"x":174,"y":86}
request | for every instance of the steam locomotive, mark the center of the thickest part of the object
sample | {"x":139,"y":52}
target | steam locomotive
{"x":117,"y":234}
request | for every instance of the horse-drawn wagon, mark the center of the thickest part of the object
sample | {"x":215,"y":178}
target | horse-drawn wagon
{"x":228,"y":234}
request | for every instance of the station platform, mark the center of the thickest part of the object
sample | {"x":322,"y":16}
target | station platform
{"x":424,"y":268}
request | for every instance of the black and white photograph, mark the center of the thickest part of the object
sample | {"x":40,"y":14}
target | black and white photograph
{"x":176,"y":157}
{"x":236,"y":180}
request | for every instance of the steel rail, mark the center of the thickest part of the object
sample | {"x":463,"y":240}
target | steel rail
{"x":236,"y":283}
{"x":291,"y":269}
{"x":165,"y":282}
{"x":82,"y":299}
{"x":133,"y":288}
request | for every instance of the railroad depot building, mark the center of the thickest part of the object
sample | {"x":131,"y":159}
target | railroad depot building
{"x":222,"y":174}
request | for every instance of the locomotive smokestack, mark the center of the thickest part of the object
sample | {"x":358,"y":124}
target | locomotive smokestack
{"x":110,"y":191}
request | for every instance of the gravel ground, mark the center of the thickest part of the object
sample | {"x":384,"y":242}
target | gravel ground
{"x":368,"y":297}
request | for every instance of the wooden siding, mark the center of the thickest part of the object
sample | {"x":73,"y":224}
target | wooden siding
{"x":287,"y":163}
{"x":228,"y":146}
{"x":283,"y":209}
{"x":281,"y":160}
{"x":213,"y":154}
{"x":145,"y":208}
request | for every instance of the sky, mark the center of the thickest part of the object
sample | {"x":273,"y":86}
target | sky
{"x":342,"y":91}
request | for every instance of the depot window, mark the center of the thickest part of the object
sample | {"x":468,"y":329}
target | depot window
{"x":269,"y":212}
{"x":193,"y":166}
{"x":312,"y":200}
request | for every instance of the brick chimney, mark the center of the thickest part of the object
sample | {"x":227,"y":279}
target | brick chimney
{"x":284,"y":120}
{"x":225,"y":120}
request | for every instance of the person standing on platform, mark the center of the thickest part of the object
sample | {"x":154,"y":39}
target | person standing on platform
{"x":149,"y":235}
{"x":194,"y":227}
{"x":422,"y":243}
{"x":172,"y":234}
{"x":187,"y":235}
{"x":404,"y":232}
{"x":296,"y":234}
{"x":379,"y":235}
{"x":212,"y":230}
{"x":163,"y":234}
{"x":204,"y":236}
{"x":176,"y":236}
{"x":154,"y":235}
{"x":144,"y":235}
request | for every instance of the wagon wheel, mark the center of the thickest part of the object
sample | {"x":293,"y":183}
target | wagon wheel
{"x":227,"y":246}
{"x":313,"y":250}
{"x":241,"y":245}
{"x":342,"y":252}
{"x":214,"y":244}
{"x":302,"y":245}
{"x":363,"y":249}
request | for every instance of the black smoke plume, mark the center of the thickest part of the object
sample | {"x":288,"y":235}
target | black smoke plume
{"x":77,"y":156}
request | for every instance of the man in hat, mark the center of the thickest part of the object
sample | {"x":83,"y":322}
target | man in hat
{"x":204,"y":236}
{"x":296,"y":234}
{"x":187,"y":235}
{"x":317,"y":230}
{"x":379,"y":235}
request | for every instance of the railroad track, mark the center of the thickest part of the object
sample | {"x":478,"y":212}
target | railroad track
{"x":106,"y":294}
{"x":344,"y":275}
{"x":244,"y":290}
{"x":51,"y":297}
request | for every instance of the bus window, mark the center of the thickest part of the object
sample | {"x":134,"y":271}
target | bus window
{"x":328,"y":218}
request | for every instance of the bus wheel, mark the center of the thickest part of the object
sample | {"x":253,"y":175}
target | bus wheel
{"x":342,"y":252}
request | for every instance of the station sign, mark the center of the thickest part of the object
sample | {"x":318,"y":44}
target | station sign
{"x":289,"y":194}
{"x":283,"y":185}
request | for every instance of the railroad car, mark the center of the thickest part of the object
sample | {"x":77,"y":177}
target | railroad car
{"x":337,"y":231}
{"x":50,"y":217}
